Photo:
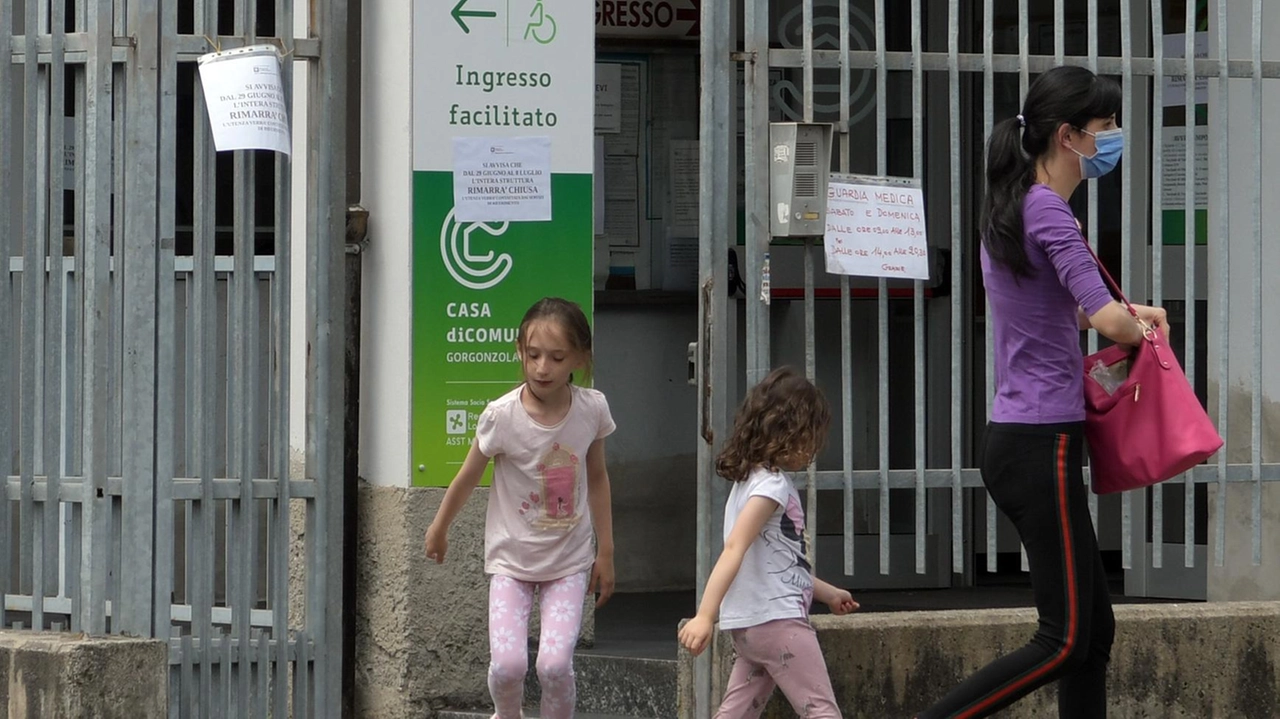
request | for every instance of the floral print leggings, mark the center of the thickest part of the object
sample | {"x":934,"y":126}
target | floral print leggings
{"x":510,"y":603}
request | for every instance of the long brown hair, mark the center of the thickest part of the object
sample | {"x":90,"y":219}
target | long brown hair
{"x":781,"y":416}
{"x":571,"y":320}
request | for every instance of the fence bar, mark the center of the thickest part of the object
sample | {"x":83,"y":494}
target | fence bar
{"x":958,"y":544}
{"x":1224,"y":284}
{"x":988,"y":127}
{"x":93,"y":250}
{"x":187,"y":706}
{"x":39,"y":213}
{"x":846,"y":320}
{"x":243,"y":426}
{"x":1256,"y":398}
{"x":262,"y":656}
{"x":1126,"y":241}
{"x":139,"y":279}
{"x":756,"y":166}
{"x":204,"y":378}
{"x":226,"y":688}
{"x":167,"y":396}
{"x":1024,"y":51}
{"x":1157,"y":237}
{"x":1092,"y":235}
{"x":324,"y":438}
{"x":241,"y":340}
{"x":32,"y":293}
{"x":7,"y":339}
{"x":882,"y":296}
{"x":715,"y":119}
{"x":917,"y":142}
{"x":811,"y":488}
{"x":278,"y":540}
{"x":1190,"y":225}
{"x":55,"y":368}
{"x":806,"y":9}
{"x":1191,"y":121}
{"x":74,"y":372}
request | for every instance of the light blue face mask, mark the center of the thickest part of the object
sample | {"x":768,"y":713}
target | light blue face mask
{"x":1110,"y":144}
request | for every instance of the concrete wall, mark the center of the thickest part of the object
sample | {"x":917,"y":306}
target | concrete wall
{"x":73,"y":676}
{"x":1171,"y":660}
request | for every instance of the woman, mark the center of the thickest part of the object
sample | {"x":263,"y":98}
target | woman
{"x":1044,"y":287}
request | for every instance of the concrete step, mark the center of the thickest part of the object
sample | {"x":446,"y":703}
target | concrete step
{"x":617,"y":686}
{"x":609,"y":687}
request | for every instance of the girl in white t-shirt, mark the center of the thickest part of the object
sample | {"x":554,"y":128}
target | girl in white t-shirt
{"x":762,"y":585}
{"x":550,"y":498}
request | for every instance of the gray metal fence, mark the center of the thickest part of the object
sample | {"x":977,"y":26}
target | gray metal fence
{"x":913,"y":89}
{"x":146,"y":351}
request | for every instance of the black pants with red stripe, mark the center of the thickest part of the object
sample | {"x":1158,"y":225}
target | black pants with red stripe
{"x":1033,"y":473}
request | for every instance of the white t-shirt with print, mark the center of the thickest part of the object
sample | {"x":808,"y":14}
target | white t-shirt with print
{"x":775,"y":581}
{"x":538,"y":527}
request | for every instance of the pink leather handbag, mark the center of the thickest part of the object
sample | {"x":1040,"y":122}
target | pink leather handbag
{"x":1143,"y":421}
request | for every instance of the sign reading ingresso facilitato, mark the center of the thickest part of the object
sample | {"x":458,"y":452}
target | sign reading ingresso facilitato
{"x":503,"y":152}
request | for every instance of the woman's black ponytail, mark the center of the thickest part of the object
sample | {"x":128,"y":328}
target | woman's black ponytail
{"x":1010,"y":173}
{"x":1064,"y":95}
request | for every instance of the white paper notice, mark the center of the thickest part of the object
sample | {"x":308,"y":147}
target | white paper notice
{"x":622,"y":204}
{"x":608,"y":97}
{"x":247,"y":107}
{"x":598,"y":187}
{"x":680,"y":269}
{"x":626,"y":141}
{"x":502,"y":179}
{"x":876,"y":231}
{"x":684,"y":187}
{"x":1173,"y":150}
{"x":1175,"y":86}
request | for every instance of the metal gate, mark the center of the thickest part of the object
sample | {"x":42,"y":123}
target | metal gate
{"x":146,"y":348}
{"x":913,"y":89}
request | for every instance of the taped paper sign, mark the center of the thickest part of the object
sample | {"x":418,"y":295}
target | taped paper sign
{"x":245,"y":97}
{"x":875,"y":228}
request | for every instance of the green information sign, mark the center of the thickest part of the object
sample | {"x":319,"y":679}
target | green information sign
{"x":495,"y":83}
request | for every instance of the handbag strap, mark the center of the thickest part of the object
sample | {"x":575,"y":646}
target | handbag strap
{"x":1111,"y":282}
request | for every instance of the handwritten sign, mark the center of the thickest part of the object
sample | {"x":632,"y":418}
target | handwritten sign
{"x":876,"y":230}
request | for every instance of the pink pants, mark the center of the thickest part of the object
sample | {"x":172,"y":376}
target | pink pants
{"x":782,"y":653}
{"x":510,"y":602}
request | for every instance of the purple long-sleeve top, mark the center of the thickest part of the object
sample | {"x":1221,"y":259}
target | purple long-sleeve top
{"x":1039,"y":368}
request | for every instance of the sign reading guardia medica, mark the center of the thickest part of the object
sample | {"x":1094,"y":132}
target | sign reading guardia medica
{"x":503,"y":112}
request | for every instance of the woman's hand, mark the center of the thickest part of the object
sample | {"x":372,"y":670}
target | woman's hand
{"x":696,"y":634}
{"x":1154,"y":317}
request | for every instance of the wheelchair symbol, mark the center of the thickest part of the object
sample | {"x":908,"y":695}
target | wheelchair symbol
{"x":478,"y":271}
{"x":541,"y":25}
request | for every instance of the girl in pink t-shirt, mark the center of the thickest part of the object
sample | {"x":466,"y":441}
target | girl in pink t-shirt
{"x":549,"y":501}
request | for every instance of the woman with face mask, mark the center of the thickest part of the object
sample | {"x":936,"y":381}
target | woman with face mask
{"x":1045,"y":288}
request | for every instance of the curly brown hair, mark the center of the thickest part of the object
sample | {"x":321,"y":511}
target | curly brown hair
{"x":783,"y":416}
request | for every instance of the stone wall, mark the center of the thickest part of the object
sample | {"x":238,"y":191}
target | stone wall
{"x":1169,"y":660}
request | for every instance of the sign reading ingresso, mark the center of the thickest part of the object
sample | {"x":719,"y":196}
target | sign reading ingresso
{"x":503,"y":117}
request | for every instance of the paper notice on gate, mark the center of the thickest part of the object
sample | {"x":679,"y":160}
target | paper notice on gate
{"x":875,"y":228}
{"x":245,"y":98}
